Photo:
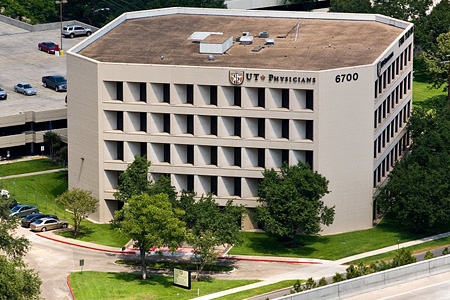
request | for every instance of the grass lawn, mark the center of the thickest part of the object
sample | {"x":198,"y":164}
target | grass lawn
{"x":330,"y":247}
{"x":422,"y":92}
{"x":101,"y":286}
{"x":424,"y":247}
{"x":29,"y":166}
{"x":260,"y":290}
{"x":171,"y":265}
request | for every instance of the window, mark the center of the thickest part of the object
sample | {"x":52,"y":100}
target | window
{"x":213,"y":95}
{"x":166,"y":93}
{"x":237,"y":126}
{"x":310,"y":99}
{"x":190,"y":94}
{"x":214,"y":185}
{"x":167,"y":153}
{"x":143,"y":91}
{"x":261,"y":97}
{"x":237,"y":186}
{"x":285,"y":156}
{"x":213,"y":155}
{"x":285,"y":98}
{"x":213,"y":125}
{"x":309,"y":130}
{"x":119,"y":89}
{"x":190,"y":154}
{"x":261,"y":158}
{"x":143,"y":149}
{"x":166,"y":126}
{"x":120,"y":150}
{"x":237,"y":157}
{"x":285,"y":129}
{"x":143,"y":121}
{"x":190,"y":182}
{"x":262,"y":128}
{"x":120,"y":120}
{"x":237,"y":96}
{"x":190,"y":124}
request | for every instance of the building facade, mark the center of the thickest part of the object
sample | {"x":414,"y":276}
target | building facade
{"x":333,"y":90}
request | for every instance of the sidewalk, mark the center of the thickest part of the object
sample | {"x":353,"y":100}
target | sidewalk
{"x":33,"y":173}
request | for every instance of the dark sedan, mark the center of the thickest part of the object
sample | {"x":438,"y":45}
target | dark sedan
{"x":31,"y":218}
{"x":56,"y":82}
{"x":48,"y":47}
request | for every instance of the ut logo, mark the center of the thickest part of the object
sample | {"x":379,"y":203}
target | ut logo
{"x":236,"y":77}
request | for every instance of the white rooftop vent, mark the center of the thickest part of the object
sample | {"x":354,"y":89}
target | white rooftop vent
{"x":210,"y":57}
{"x":216,"y":44}
{"x":269,"y":42}
{"x":246,"y":40}
{"x":201,"y":35}
{"x":245,"y":33}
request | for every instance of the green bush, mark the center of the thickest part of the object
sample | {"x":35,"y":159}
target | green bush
{"x":429,"y":255}
{"x":322,"y":282}
{"x":445,"y":251}
{"x":403,"y":257}
{"x":338,"y":277}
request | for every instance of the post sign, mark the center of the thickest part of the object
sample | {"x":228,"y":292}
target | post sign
{"x":182,"y":278}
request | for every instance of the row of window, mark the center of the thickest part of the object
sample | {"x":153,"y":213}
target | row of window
{"x":384,"y":109}
{"x":177,"y":154}
{"x":210,"y":125}
{"x":385,"y":166}
{"x":393,"y":70}
{"x":389,"y":132}
{"x":33,"y":127}
{"x":200,"y":95}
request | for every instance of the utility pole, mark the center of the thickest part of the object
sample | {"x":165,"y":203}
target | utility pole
{"x":61,"y":2}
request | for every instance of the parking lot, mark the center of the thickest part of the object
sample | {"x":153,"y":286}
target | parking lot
{"x":21,"y":61}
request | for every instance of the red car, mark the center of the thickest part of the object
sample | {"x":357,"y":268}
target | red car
{"x":48,"y":47}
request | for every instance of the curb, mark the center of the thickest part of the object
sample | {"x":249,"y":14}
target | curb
{"x":87,"y":247}
{"x":70,"y":288}
{"x":271,"y":260}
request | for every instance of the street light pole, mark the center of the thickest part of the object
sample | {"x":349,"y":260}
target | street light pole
{"x":61,"y":2}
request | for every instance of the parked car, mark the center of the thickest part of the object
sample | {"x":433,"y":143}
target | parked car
{"x":23,"y":210}
{"x":25,"y":88}
{"x":75,"y":30}
{"x":48,"y":47}
{"x":48,"y":224}
{"x":3,"y":94}
{"x":56,"y":82}
{"x":33,"y":217}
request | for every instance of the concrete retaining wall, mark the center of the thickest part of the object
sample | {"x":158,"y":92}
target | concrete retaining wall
{"x":42,"y":27}
{"x":372,"y":282}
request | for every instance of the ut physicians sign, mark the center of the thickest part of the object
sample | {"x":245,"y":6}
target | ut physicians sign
{"x":238,"y":77}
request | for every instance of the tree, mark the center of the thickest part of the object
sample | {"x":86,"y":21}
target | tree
{"x":53,"y":141}
{"x":433,"y":59}
{"x":407,"y":10}
{"x":428,"y":28}
{"x":417,"y":192}
{"x":80,"y":203}
{"x":30,"y":11}
{"x":151,"y":221}
{"x":291,"y":201}
{"x":16,"y":281}
{"x":136,"y":181}
{"x":351,"y":6}
{"x":429,"y":255}
{"x":209,"y":226}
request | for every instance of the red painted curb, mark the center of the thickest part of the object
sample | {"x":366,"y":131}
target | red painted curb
{"x":271,"y":260}
{"x":87,"y":247}
{"x":70,"y":288}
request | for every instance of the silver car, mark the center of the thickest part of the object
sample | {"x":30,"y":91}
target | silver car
{"x":45,"y":224}
{"x":75,"y":30}
{"x":3,"y":94}
{"x":25,"y":88}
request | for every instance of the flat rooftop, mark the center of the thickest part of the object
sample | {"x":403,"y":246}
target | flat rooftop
{"x":321,"y":43}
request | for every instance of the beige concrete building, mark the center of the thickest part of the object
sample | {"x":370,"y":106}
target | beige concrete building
{"x":213,"y":97}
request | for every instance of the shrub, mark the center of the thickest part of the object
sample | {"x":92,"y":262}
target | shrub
{"x":403,"y":257}
{"x":338,"y":277}
{"x":429,"y":255}
{"x":445,"y":251}
{"x":322,"y":282}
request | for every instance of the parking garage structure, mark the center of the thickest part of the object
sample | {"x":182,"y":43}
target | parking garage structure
{"x":212,"y":97}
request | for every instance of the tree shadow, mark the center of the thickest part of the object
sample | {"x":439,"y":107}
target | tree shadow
{"x":434,"y":102}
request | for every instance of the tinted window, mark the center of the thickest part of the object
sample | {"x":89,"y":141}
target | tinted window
{"x":50,"y":221}
{"x":16,"y":208}
{"x":27,"y":86}
{"x":38,"y":221}
{"x":59,"y":79}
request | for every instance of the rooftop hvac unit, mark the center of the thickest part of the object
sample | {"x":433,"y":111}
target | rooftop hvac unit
{"x":269,"y":42}
{"x":263,"y":34}
{"x":246,"y":40}
{"x":246,"y":33}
